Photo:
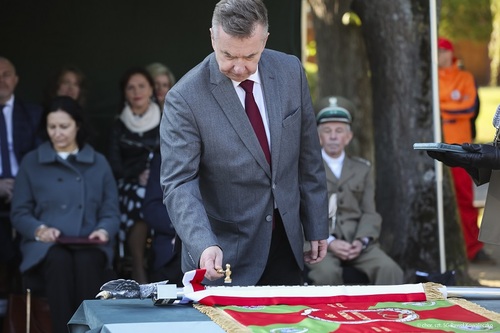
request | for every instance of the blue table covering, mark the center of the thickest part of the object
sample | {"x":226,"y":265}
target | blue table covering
{"x":134,"y":315}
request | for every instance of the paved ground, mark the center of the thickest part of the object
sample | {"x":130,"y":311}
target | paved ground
{"x":487,"y":275}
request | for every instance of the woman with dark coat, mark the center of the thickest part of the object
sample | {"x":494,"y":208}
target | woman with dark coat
{"x":134,"y":138}
{"x":65,"y":206}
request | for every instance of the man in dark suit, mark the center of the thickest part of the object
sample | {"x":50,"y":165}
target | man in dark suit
{"x":165,"y":260}
{"x":241,"y":166}
{"x":18,"y":135}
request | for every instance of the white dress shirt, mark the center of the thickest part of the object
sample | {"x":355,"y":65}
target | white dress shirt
{"x":335,"y":164}
{"x":259,"y":99}
{"x":7,"y":112}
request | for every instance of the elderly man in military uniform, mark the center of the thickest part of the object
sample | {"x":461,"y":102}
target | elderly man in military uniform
{"x":355,"y":224}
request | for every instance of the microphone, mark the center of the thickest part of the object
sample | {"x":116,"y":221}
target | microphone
{"x":496,"y":124}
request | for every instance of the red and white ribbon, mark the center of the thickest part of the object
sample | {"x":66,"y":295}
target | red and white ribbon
{"x":295,"y":295}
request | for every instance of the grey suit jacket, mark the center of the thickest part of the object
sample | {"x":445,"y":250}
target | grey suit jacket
{"x":490,"y":229}
{"x":219,"y":188}
{"x":356,"y":213}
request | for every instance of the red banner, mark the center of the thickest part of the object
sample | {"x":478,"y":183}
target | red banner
{"x":359,"y":309}
{"x":428,"y":316}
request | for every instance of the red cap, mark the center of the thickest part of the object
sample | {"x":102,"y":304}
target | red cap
{"x":444,"y":43}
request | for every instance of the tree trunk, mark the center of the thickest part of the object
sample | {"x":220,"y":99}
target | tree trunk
{"x":343,"y":67}
{"x":396,"y":35}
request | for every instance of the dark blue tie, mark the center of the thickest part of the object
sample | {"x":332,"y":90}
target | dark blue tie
{"x":4,"y":146}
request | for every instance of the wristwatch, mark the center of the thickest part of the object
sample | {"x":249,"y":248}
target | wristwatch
{"x":365,"y":241}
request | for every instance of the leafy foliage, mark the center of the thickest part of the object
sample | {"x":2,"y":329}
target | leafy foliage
{"x":494,"y":46}
{"x":466,"y":19}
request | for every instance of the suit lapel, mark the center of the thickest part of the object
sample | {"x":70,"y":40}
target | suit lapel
{"x":347,"y":170}
{"x":231,"y":106}
{"x":272,"y":100}
{"x":332,"y":182}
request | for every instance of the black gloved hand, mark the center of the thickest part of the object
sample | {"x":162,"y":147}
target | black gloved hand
{"x":447,"y":158}
{"x":483,"y":155}
{"x":477,"y":156}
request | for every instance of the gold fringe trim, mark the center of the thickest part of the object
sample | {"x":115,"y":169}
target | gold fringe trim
{"x":476,"y":308}
{"x":226,"y":322}
{"x":433,"y":292}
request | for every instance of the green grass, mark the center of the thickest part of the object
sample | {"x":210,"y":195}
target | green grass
{"x":490,"y":99}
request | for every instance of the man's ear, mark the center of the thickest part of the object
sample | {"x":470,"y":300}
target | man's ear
{"x":212,"y":38}
{"x":16,"y":81}
{"x":350,"y":135}
{"x":265,"y":40}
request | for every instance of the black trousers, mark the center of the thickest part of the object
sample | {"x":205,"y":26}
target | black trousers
{"x":171,"y":272}
{"x":67,"y":276}
{"x":10,"y":255}
{"x":9,"y":250}
{"x":281,"y":267}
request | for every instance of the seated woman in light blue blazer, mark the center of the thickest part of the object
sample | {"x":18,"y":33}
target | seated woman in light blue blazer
{"x":65,"y":207}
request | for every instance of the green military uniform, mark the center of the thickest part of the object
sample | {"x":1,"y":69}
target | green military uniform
{"x":356,"y":216}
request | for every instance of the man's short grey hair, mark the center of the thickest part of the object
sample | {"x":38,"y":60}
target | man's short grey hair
{"x":239,"y":18}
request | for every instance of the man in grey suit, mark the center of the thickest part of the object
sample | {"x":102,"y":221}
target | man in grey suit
{"x":355,"y":225}
{"x":237,"y":191}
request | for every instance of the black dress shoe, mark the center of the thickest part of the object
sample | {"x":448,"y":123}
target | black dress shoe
{"x":483,"y":258}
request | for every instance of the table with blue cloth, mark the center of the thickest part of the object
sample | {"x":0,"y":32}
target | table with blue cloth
{"x":135,"y":315}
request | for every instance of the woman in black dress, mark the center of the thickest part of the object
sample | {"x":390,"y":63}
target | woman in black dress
{"x":134,"y":138}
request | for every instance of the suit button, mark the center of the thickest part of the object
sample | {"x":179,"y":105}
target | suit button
{"x":340,"y":188}
{"x":79,"y":206}
{"x":341,"y":202}
{"x":269,"y":218}
{"x":78,"y":179}
{"x":63,"y":206}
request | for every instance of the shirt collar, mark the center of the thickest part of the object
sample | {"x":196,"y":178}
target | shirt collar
{"x":10,"y":102}
{"x":255,"y":77}
{"x":65,"y":154}
{"x":47,"y":154}
{"x":333,"y":160}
